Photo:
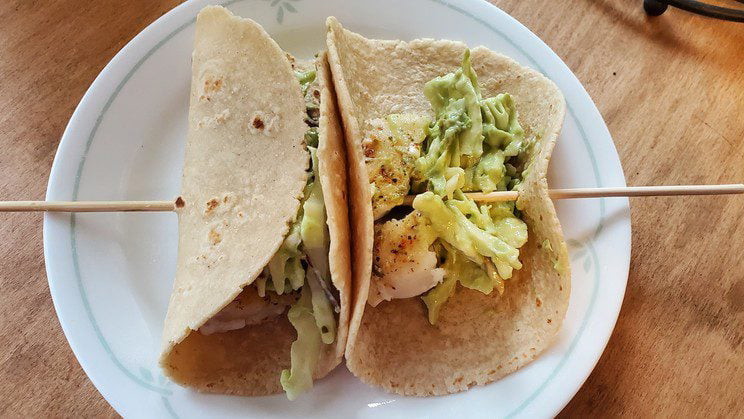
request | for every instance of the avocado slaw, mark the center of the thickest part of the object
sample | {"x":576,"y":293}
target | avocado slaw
{"x":312,"y":315}
{"x":470,"y":144}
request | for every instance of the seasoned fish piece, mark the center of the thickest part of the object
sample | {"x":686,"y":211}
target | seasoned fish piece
{"x":391,"y":147}
{"x":404,"y":264}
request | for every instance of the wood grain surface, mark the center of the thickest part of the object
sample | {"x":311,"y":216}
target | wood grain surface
{"x":671,"y":90}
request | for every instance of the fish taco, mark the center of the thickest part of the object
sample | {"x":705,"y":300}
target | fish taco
{"x":261,"y":297}
{"x":449,"y":292}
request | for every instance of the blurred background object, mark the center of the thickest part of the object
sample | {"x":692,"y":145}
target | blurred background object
{"x":732,"y":10}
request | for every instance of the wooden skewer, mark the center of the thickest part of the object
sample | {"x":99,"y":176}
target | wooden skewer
{"x":631,"y":191}
{"x":87,"y":206}
{"x":628,"y":191}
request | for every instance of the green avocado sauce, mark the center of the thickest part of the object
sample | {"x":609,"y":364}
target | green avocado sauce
{"x":471,"y":144}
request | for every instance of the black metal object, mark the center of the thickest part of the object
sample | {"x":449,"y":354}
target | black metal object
{"x":657,"y":7}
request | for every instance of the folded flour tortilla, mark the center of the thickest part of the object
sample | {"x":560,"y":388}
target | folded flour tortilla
{"x":478,"y":338}
{"x":244,"y":174}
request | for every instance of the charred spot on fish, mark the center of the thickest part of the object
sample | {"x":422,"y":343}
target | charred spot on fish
{"x":383,"y":171}
{"x":180,"y":203}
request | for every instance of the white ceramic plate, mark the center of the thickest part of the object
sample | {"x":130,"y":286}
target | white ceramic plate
{"x":110,"y":275}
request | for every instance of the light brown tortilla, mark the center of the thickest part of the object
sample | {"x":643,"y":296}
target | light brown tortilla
{"x":332,"y":173}
{"x":240,"y":73}
{"x":478,"y":338}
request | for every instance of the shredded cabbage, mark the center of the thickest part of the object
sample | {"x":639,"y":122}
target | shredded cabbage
{"x":285,"y":267}
{"x":458,"y":268}
{"x":313,"y":227}
{"x":322,"y":310}
{"x":305,"y":350}
{"x":456,"y":226}
{"x":473,"y":144}
{"x":439,"y":295}
{"x":312,"y":315}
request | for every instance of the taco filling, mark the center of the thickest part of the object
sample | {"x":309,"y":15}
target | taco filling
{"x":297,"y":280}
{"x":442,"y":238}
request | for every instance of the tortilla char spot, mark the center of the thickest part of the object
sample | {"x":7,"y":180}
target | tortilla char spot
{"x":538,"y":302}
{"x":258,"y":123}
{"x":214,"y":237}
{"x":291,"y":59}
{"x":221,"y":117}
{"x":212,"y":84}
{"x":550,"y":321}
{"x":211,"y":205}
{"x":180,"y":203}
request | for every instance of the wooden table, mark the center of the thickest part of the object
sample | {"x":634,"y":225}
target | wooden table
{"x":671,"y":90}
